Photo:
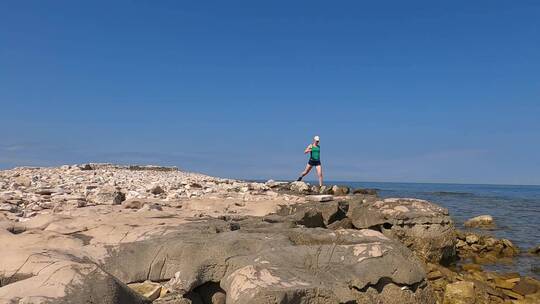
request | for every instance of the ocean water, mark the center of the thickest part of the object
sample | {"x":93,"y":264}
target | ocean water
{"x":516,"y":210}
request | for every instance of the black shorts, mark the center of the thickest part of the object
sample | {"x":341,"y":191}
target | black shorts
{"x":314,"y":163}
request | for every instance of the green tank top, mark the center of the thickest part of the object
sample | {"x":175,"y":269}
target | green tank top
{"x":316,"y":153}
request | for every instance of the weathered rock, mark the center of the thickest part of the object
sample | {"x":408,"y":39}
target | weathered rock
{"x":484,"y":249}
{"x":340,"y":190}
{"x":460,"y":293}
{"x":365,"y":191}
{"x":147,"y":289}
{"x":320,"y":198}
{"x":156,"y":190}
{"x":526,"y":286}
{"x":482,"y":221}
{"x":24,"y":181}
{"x":299,"y":187}
{"x":422,"y":226}
{"x":472,"y":239}
{"x":107,"y":196}
{"x":251,"y":259}
{"x":315,"y":214}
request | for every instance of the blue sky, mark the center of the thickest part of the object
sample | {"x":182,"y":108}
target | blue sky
{"x":398,"y":90}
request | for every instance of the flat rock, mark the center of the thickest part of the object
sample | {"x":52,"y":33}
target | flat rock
{"x":459,"y":293}
{"x":320,"y":198}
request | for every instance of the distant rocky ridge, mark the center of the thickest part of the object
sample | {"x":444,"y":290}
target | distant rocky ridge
{"x":103,"y":233}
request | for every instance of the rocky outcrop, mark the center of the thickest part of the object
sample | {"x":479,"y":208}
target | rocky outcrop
{"x":483,"y":248}
{"x":251,"y":259}
{"x":469,"y":283}
{"x":100,"y":233}
{"x":422,"y":226}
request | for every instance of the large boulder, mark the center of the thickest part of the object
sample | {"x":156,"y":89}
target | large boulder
{"x":424,"y":227}
{"x":60,"y":259}
{"x":252,"y":265}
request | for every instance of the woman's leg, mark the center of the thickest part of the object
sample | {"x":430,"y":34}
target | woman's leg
{"x":306,"y":171}
{"x":319,"y":173}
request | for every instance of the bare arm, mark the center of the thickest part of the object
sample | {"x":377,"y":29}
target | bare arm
{"x":308,"y":149}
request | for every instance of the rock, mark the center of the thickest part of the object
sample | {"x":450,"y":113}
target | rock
{"x":9,"y":208}
{"x":147,"y":289}
{"x":24,"y":181}
{"x":526,"y":286}
{"x":107,"y":196}
{"x":315,"y":214}
{"x":273,"y":184}
{"x":211,"y":293}
{"x":535,"y":250}
{"x":324,"y":190}
{"x":150,"y":207}
{"x":134,"y":203}
{"x":471,"y":267}
{"x":472,"y":239}
{"x":340,"y":190}
{"x":482,"y":221}
{"x":253,"y":264}
{"x":156,"y":190}
{"x":365,"y":191}
{"x":422,"y":226}
{"x":320,"y":198}
{"x":505,"y":284}
{"x":299,"y":187}
{"x":460,"y":293}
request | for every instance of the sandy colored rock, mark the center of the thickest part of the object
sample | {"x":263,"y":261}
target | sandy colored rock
{"x":320,"y":198}
{"x":459,"y":293}
{"x":481,"y":221}
{"x":147,"y":289}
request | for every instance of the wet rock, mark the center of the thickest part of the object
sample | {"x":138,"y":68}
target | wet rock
{"x":484,"y":249}
{"x":535,"y":250}
{"x":365,"y":191}
{"x":482,"y":221}
{"x":526,"y":286}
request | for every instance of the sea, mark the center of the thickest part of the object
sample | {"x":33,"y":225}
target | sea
{"x":516,"y":210}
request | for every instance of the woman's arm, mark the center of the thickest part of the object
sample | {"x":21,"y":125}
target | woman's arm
{"x":308,"y":149}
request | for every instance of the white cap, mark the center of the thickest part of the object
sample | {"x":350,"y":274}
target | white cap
{"x":317,"y":138}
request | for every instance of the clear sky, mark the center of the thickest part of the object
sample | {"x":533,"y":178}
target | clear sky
{"x":427,"y":91}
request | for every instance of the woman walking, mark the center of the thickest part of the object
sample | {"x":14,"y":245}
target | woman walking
{"x":314,"y":151}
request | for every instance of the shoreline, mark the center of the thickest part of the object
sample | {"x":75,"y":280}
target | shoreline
{"x":95,"y":212}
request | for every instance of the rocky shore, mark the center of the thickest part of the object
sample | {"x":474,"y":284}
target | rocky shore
{"x":102,"y":233}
